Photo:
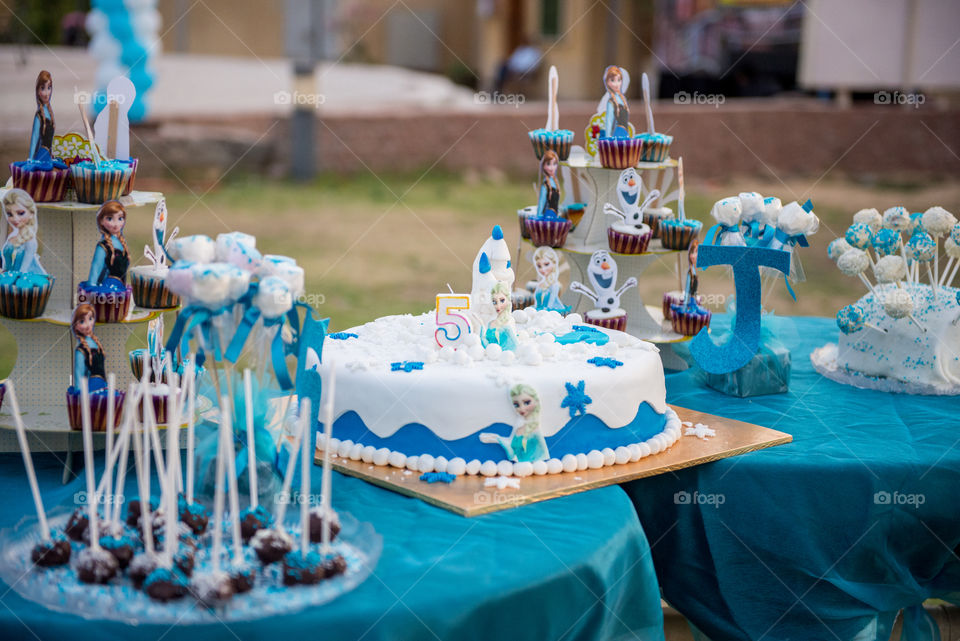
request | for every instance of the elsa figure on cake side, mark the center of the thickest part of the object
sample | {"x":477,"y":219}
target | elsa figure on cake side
{"x":41,"y":137}
{"x":108,"y":269}
{"x":616,"y":120}
{"x":526,"y":442}
{"x":547,"y":291}
{"x":20,"y":248}
{"x":88,"y":359}
{"x":500,"y":330}
{"x":548,"y":203}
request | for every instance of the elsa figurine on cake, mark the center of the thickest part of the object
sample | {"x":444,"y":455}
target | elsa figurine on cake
{"x":526,"y":442}
{"x":501,"y":330}
{"x":547,"y":289}
{"x":20,"y":248}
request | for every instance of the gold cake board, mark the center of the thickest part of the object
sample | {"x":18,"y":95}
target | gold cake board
{"x":468,"y":496}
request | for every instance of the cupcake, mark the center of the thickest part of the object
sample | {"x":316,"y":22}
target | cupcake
{"x":654,"y":147}
{"x":133,"y":163}
{"x":549,"y":231}
{"x":614,"y":319}
{"x":629,"y":239}
{"x":522,"y":298}
{"x":98,"y":408}
{"x":677,"y":234}
{"x":44,"y":180}
{"x":149,"y":290}
{"x":522,"y":215}
{"x":574,"y":212}
{"x":159,"y":396}
{"x":24,"y":295}
{"x":653,"y":217}
{"x":618,"y":153}
{"x":689,"y":319}
{"x":97,"y":185}
{"x":3,"y":391}
{"x":675,"y":297}
{"x":110,"y":301}
{"x":559,"y":141}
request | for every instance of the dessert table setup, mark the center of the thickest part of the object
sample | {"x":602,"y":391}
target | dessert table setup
{"x":540,"y":460}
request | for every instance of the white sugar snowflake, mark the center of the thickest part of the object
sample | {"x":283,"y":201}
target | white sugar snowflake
{"x":502,"y":482}
{"x":701,"y":431}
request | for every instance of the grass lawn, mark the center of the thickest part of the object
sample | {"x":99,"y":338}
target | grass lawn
{"x":375,"y":246}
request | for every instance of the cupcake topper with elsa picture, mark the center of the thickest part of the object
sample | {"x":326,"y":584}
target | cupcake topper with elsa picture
{"x":629,"y":188}
{"x":553,"y":111}
{"x":112,"y":127}
{"x":602,"y":272}
{"x":158,"y":255}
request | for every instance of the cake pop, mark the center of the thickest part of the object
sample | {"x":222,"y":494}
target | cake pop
{"x":53,"y":548}
{"x":852,"y":318}
{"x":952,"y":247}
{"x":319,"y":516}
{"x":853,"y":263}
{"x":94,"y":564}
{"x":303,"y":566}
{"x":837,"y":248}
{"x":165,"y":584}
{"x":271,"y":544}
{"x":871,"y":218}
{"x":921,"y":249}
{"x":886,"y":242}
{"x":859,"y":235}
{"x":890,"y":269}
{"x":77,"y":524}
{"x":897,"y":218}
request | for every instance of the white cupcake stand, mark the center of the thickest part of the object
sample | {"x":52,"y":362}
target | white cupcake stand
{"x":45,"y":346}
{"x":585,"y":180}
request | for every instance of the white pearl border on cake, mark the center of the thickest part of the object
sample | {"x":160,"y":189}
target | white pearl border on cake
{"x":595,"y":459}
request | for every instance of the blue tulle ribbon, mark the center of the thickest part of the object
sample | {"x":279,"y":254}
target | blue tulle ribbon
{"x":715,"y":232}
{"x":277,"y":349}
{"x":190,"y":318}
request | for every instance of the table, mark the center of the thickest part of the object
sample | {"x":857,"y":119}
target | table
{"x":578,"y":567}
{"x":827,"y":537}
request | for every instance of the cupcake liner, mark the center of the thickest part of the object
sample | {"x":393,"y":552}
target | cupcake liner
{"x":618,"y":323}
{"x":159,"y":401}
{"x":98,"y":410}
{"x":136,"y":357}
{"x":522,"y":299}
{"x":559,"y":141}
{"x":44,"y":186}
{"x":97,"y":186}
{"x":618,"y":153}
{"x":524,"y":230}
{"x":23,"y":302}
{"x":677,"y":236}
{"x":670,"y":299}
{"x":3,"y":391}
{"x":552,"y":232}
{"x":151,"y":292}
{"x":622,"y":243}
{"x":653,"y":220}
{"x":110,"y":307}
{"x":689,"y":322}
{"x":654,"y":150}
{"x":133,"y":174}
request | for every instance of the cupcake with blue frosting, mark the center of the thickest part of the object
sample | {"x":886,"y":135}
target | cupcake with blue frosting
{"x":100,"y":182}
{"x":25,"y":285}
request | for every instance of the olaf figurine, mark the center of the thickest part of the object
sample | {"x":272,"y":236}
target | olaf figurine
{"x":602,"y":272}
{"x":629,"y":187}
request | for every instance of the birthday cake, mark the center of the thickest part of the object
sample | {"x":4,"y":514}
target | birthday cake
{"x":520,"y":392}
{"x":904,"y":335}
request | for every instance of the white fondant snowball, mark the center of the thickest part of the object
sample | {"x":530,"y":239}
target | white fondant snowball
{"x":368,"y":453}
{"x":476,"y":352}
{"x":355,"y":452}
{"x":505,"y":468}
{"x":425,"y":463}
{"x":575,"y":318}
{"x":381,"y":456}
{"x":489,"y":468}
{"x":473,"y":467}
{"x":456,"y":466}
{"x":554,"y":466}
{"x":569,"y":463}
{"x":635,"y":452}
{"x":523,"y":468}
{"x":540,"y":468}
{"x":609,"y":457}
{"x":398,"y":459}
{"x":507,"y":358}
{"x":413,"y":462}
{"x":440,"y":464}
{"x":345,"y":447}
{"x":582,"y":462}
{"x":520,"y":316}
{"x":493,"y":351}
{"x":594,"y":460}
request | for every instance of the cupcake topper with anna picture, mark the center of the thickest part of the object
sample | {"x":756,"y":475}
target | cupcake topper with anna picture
{"x":41,"y":135}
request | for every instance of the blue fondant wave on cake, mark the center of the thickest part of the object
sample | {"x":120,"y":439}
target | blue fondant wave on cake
{"x":581,"y":434}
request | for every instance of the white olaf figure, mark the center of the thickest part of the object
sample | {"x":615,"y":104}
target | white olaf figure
{"x":629,"y":188}
{"x":113,"y":137}
{"x":602,"y":272}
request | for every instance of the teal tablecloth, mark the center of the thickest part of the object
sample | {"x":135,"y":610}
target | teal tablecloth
{"x":578,"y":567}
{"x":827,"y":537}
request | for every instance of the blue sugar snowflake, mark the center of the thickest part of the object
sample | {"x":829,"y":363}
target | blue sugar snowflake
{"x":584,"y":334}
{"x":599,"y":361}
{"x":577,"y":399}
{"x":435,"y":477}
{"x":406,"y":366}
{"x":342,"y":336}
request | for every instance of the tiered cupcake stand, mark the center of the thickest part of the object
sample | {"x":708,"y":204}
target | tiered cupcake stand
{"x":45,"y":346}
{"x":585,"y":180}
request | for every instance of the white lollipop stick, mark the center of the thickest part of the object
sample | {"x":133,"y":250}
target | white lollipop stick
{"x":304,"y":476}
{"x":218,"y":485}
{"x":681,"y":193}
{"x":553,"y":113}
{"x":251,"y":436}
{"x":869,"y":286}
{"x":933,"y":280}
{"x":28,"y":463}
{"x":122,"y":465}
{"x":88,"y":463}
{"x":288,"y":480}
{"x":172,"y":517}
{"x":142,"y":462}
{"x":108,"y":463}
{"x":173,"y":387}
{"x":946,"y":270}
{"x":953,"y":274}
{"x":326,"y":479}
{"x":645,"y":83}
{"x":190,"y":389}
{"x":234,"y":500}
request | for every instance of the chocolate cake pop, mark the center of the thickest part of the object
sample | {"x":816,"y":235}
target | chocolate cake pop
{"x":253,"y":519}
{"x":300,"y":569}
{"x":271,"y":545}
{"x":96,"y":565}
{"x":244,"y":577}
{"x":194,"y":515}
{"x":51,"y":552}
{"x":141,"y":567}
{"x":53,"y":548}
{"x":133,"y":511}
{"x":121,"y":547}
{"x":165,"y":584}
{"x":212,"y":588}
{"x":77,"y":524}
{"x":318,"y":516}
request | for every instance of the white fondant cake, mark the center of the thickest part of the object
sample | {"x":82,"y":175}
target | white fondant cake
{"x":404,"y":401}
{"x":923,"y":360}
